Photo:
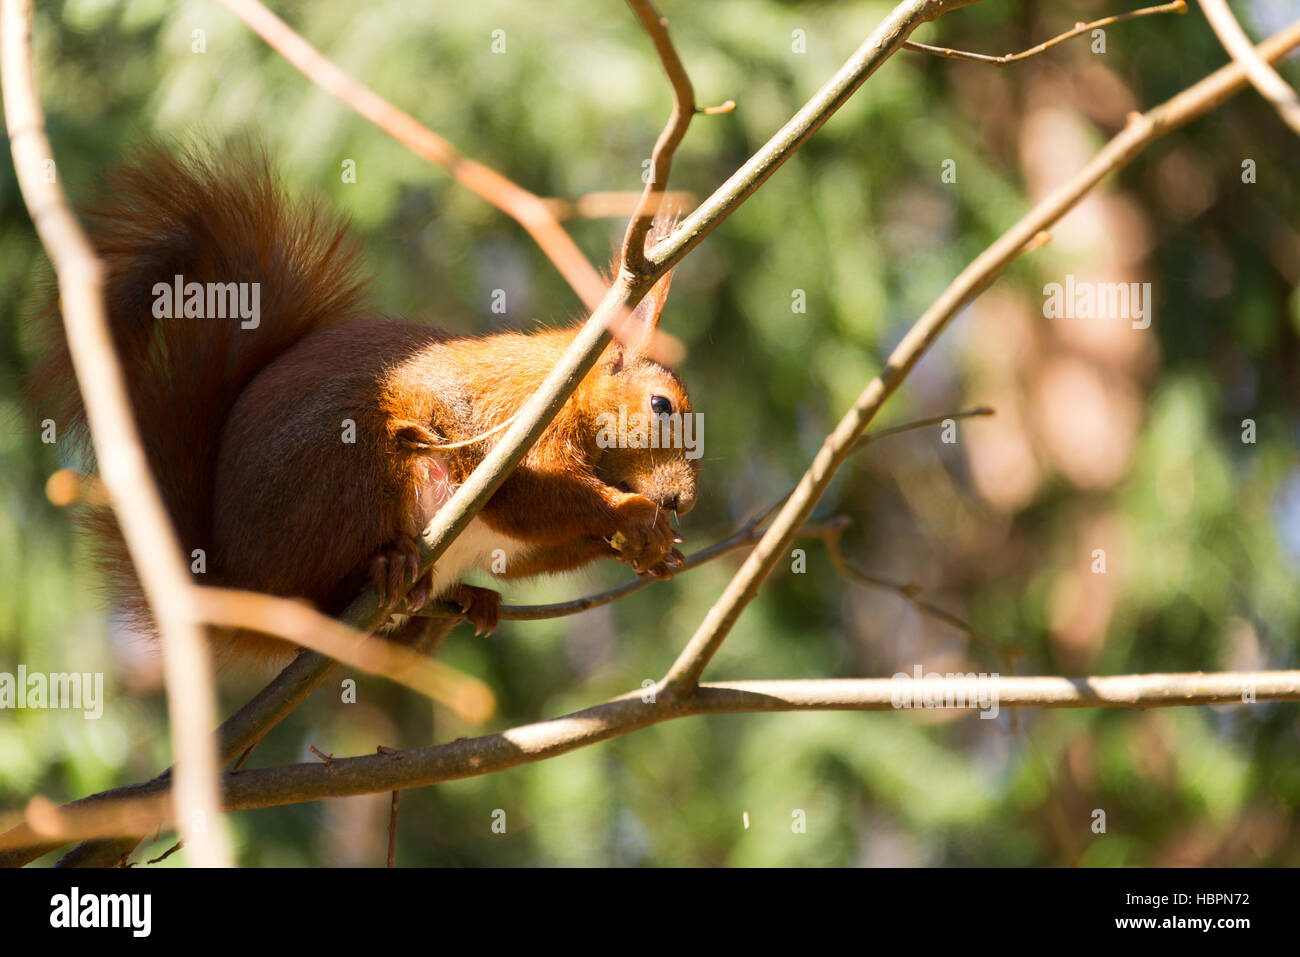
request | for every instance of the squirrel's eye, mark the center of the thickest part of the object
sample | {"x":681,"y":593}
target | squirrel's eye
{"x":660,"y":405}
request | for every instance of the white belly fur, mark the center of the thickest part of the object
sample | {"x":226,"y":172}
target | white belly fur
{"x":476,"y":548}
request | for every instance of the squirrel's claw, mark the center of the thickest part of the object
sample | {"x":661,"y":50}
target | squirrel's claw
{"x":392,"y":567}
{"x":418,"y":596}
{"x":643,"y":536}
{"x":379,"y":578}
{"x":665,"y":569}
{"x":481,"y":606}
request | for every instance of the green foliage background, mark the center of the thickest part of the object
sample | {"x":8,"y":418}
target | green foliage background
{"x":861,"y":221}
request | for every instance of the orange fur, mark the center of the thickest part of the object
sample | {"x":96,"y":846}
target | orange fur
{"x":245,"y":429}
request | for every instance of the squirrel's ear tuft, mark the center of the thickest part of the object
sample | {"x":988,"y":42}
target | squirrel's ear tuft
{"x":639,"y":328}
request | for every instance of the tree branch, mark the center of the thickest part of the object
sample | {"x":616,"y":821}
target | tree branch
{"x":392,"y":770}
{"x":150,"y":538}
{"x":1266,"y":80}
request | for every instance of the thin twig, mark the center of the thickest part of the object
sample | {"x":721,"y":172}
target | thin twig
{"x":911,"y":593}
{"x":883,"y":43}
{"x":742,"y":538}
{"x":601,"y":204}
{"x":906,"y":591}
{"x":124,"y":470}
{"x":982,"y":411}
{"x":167,"y":853}
{"x":1177,"y":6}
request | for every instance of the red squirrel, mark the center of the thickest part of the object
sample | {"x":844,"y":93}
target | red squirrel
{"x":301,"y":447}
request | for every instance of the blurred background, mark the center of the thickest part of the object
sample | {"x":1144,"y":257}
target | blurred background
{"x":1130,"y":441}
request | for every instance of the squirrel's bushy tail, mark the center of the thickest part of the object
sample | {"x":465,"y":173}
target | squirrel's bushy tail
{"x":210,"y":216}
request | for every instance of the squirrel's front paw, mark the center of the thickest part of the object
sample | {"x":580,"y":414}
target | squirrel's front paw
{"x":482,"y":606}
{"x":644,"y":537}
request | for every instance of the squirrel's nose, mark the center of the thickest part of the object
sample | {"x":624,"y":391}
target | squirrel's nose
{"x":681,"y":503}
